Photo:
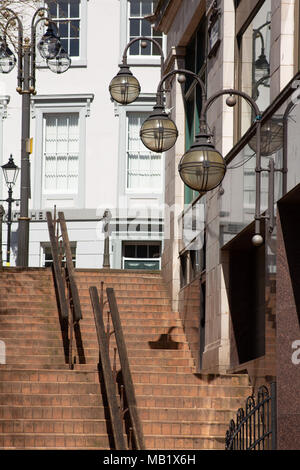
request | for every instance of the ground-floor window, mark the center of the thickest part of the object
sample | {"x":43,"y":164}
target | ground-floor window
{"x":46,"y":255}
{"x":141,"y":255}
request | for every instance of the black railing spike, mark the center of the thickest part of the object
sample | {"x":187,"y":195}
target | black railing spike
{"x":255,"y":427}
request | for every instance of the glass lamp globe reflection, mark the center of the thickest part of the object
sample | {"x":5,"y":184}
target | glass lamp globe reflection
{"x":7,"y":58}
{"x":49,"y":46}
{"x":271,"y":139}
{"x":61,"y":63}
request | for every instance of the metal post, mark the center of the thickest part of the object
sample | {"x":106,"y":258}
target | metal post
{"x":274,"y":415}
{"x":106,"y":229}
{"x":271,"y":194}
{"x":106,"y":260}
{"x":258,"y":180}
{"x":2,"y":212}
{"x":10,"y":201}
{"x":23,"y":235}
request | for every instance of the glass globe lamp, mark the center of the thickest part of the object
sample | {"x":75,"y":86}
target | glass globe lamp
{"x":124,"y":87}
{"x":7,"y":58}
{"x":159,"y":133}
{"x":202,"y":168}
{"x":61,"y":63}
{"x":49,"y":46}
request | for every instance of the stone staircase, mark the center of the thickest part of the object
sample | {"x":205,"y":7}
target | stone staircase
{"x":44,"y":405}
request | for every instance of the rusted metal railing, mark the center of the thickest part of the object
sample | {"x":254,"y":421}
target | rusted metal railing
{"x":105,"y":368}
{"x":122,"y":380}
{"x":66,"y":288}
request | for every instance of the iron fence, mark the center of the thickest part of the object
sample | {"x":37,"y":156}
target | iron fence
{"x":255,"y":426}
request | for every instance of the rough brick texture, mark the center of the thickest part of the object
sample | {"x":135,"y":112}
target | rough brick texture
{"x":44,"y":405}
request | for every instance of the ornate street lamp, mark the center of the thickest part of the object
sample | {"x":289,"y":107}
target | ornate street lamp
{"x":50,"y":48}
{"x":10,"y":173}
{"x":202,"y":168}
{"x":124,"y":87}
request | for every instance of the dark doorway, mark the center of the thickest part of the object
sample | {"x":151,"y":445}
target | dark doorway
{"x":247,"y":281}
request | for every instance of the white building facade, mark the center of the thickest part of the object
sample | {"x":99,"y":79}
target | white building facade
{"x":87,"y":155}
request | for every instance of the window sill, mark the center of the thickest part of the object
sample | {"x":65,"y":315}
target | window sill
{"x":144,"y":192}
{"x":142,"y":61}
{"x":76,"y":63}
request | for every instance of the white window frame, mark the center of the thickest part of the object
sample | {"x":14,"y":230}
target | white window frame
{"x":124,"y":39}
{"x":80,"y":61}
{"x":4,"y":101}
{"x":143,"y":104}
{"x":143,"y":189}
{"x":46,"y":191}
{"x":46,"y":245}
{"x":59,"y":104}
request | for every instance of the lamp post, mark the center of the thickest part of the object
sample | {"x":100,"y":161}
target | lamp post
{"x":106,"y":229}
{"x":10,"y":172}
{"x":2,"y":212}
{"x":50,"y":49}
{"x":202,"y":167}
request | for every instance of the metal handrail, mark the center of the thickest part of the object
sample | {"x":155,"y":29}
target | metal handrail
{"x":126,"y":374}
{"x":56,"y":267}
{"x":105,"y":367}
{"x":128,"y":404}
{"x":70,"y":268}
{"x":70,"y":311}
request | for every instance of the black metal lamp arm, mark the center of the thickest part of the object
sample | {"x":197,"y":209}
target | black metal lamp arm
{"x":159,"y":93}
{"x":258,"y":168}
{"x":144,"y":38}
{"x":34,"y":24}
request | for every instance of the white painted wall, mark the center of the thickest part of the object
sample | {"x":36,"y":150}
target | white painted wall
{"x":106,"y":37}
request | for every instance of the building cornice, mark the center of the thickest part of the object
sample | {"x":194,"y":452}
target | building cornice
{"x":63,"y":98}
{"x":84,"y":99}
{"x":164,"y":14}
{"x":174,"y":54}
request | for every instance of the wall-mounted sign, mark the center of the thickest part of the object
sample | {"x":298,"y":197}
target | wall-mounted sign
{"x":214,"y":28}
